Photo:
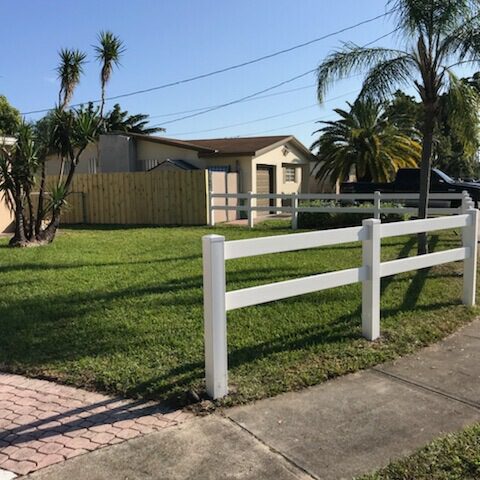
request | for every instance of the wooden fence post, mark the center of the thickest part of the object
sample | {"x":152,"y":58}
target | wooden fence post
{"x":215,"y":316}
{"x":371,"y":286}
{"x":470,"y":241}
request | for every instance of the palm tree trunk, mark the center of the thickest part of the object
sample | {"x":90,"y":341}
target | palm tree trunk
{"x":48,"y":235}
{"x":102,"y":102}
{"x":425,"y":169}
{"x":19,"y":238}
{"x":39,"y":219}
{"x":29,"y":227}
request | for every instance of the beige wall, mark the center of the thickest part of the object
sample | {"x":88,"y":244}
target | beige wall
{"x":150,"y":154}
{"x":221,"y":182}
{"x":6,"y":218}
{"x":277,"y":158}
{"x":87,"y":163}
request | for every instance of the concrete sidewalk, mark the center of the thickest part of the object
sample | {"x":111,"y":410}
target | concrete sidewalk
{"x":340,"y":429}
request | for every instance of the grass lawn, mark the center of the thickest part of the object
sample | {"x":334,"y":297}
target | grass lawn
{"x":454,"y":457}
{"x":121,"y":310}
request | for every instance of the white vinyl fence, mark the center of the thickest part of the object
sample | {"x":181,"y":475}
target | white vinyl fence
{"x":217,"y":301}
{"x":231,"y":202}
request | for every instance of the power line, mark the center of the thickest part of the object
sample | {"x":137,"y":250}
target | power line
{"x":199,"y":109}
{"x":240,"y":100}
{"x":256,"y":94}
{"x":307,"y":107}
{"x":231,"y":67}
{"x":312,"y":120}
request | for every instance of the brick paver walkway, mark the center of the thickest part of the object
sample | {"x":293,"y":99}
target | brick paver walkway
{"x":42,"y":423}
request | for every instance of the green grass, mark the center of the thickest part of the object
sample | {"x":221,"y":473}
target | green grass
{"x":120,"y":310}
{"x":454,"y":457}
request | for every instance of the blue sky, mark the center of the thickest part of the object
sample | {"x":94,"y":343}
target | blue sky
{"x":169,"y":40}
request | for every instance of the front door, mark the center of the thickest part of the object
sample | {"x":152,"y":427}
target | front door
{"x":265,"y":184}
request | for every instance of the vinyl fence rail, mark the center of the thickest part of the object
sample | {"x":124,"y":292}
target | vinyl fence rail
{"x":217,"y":301}
{"x":377,"y":198}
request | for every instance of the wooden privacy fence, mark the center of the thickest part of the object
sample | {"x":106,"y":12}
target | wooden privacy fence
{"x":217,"y":301}
{"x":140,"y":198}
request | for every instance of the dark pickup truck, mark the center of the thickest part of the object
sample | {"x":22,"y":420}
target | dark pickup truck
{"x":408,"y":181}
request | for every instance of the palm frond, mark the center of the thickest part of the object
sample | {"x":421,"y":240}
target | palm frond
{"x":365,"y":140}
{"x":109,"y":50}
{"x":463,"y":43}
{"x":463,"y":103}
{"x":69,"y":72}
{"x":350,"y":58}
{"x":431,"y":18}
{"x":387,"y":76}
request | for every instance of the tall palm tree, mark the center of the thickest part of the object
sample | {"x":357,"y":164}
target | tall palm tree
{"x":108,"y":53}
{"x":69,"y":72}
{"x":367,"y":141}
{"x":438,"y":35}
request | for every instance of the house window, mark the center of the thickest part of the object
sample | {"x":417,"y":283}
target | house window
{"x":290,"y":174}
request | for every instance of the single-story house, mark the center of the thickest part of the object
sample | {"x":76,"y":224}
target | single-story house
{"x":274,"y":164}
{"x":6,"y":215}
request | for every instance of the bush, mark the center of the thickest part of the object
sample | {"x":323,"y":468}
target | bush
{"x":337,"y":220}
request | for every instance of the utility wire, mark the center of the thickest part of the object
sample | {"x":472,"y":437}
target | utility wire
{"x":256,"y":94}
{"x":307,"y":107}
{"x":240,"y":100}
{"x":312,"y":120}
{"x":199,"y":109}
{"x":231,"y":67}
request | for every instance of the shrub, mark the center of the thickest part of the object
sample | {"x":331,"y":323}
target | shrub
{"x":337,"y":220}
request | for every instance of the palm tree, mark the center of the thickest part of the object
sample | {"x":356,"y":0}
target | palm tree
{"x":119,"y":120}
{"x":438,"y":35}
{"x":367,"y":141}
{"x":69,"y":72}
{"x":109,"y":51}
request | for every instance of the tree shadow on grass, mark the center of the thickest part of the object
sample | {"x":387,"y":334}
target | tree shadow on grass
{"x":22,"y":267}
{"x":51,"y":329}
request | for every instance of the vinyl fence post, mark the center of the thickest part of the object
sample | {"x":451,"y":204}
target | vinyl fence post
{"x":371,"y":285}
{"x":294,"y":211}
{"x":470,"y":241}
{"x":249,"y":210}
{"x":465,"y":201}
{"x":215,"y":316}
{"x":377,"y":205}
{"x":211,"y":211}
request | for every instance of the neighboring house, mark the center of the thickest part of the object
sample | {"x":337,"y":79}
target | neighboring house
{"x":6,"y":215}
{"x":275,"y":164}
{"x":7,"y":141}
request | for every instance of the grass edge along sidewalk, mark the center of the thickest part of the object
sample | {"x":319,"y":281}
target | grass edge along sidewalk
{"x":120,"y":310}
{"x":455,"y":456}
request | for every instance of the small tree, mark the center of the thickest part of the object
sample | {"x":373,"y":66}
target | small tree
{"x":10,"y":118}
{"x":70,"y":132}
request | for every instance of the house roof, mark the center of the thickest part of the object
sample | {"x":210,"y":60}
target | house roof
{"x":239,"y":146}
{"x":252,"y":146}
{"x":166,"y":141}
{"x":181,"y":164}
